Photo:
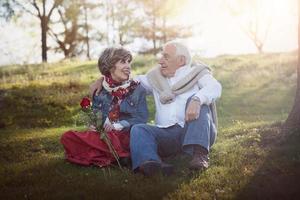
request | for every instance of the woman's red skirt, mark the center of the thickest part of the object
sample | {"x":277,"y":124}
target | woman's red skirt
{"x":86,"y":148}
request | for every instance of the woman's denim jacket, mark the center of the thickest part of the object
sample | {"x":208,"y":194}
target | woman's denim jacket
{"x":133,"y":109}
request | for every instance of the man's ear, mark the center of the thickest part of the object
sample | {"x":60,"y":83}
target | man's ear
{"x":182,"y":60}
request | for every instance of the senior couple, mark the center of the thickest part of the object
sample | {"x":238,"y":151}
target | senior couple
{"x":185,"y":118}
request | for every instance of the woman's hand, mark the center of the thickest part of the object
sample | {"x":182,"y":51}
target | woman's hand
{"x":118,"y":126}
{"x":92,"y":128}
{"x":108,"y":126}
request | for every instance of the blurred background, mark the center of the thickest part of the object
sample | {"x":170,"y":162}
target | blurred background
{"x":33,"y":31}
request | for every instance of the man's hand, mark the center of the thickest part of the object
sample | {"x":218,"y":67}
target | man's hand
{"x":193,"y":110}
{"x":96,"y":86}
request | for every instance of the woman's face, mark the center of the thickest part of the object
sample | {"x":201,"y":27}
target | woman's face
{"x":121,"y":71}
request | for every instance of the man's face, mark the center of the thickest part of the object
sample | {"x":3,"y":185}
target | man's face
{"x":169,"y":61}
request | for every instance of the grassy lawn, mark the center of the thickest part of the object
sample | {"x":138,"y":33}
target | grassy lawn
{"x":252,"y":158}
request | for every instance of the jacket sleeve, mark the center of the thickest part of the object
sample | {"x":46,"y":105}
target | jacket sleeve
{"x":210,"y":90}
{"x":140,"y":114}
{"x":98,"y":104}
{"x":145,"y":83}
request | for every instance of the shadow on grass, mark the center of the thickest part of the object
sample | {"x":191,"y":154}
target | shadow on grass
{"x":279,"y":176}
{"x":56,"y":179}
{"x":44,"y":105}
{"x":40,"y":106}
{"x":33,"y":167}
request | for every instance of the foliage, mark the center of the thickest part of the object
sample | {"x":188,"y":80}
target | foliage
{"x":6,"y":9}
{"x":74,"y":25}
{"x":155,"y":26}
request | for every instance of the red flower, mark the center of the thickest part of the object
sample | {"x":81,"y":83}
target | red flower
{"x":85,"y":102}
{"x":114,"y":114}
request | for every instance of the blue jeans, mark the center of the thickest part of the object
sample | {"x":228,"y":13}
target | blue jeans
{"x":149,"y":142}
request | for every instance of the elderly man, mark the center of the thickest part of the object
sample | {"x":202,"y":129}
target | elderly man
{"x":184,"y":118}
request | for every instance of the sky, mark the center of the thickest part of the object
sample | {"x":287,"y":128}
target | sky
{"x":221,"y":33}
{"x":216,"y":32}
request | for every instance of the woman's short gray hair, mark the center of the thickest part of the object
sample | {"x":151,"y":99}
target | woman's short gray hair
{"x":181,"y":50}
{"x":110,"y":56}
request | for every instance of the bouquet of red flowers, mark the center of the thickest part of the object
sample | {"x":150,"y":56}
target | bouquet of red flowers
{"x":95,"y":121}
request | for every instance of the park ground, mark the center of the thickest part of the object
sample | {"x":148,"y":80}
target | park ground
{"x":252,"y":158}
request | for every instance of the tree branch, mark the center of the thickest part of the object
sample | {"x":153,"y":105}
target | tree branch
{"x":56,"y":3}
{"x":62,"y":18}
{"x":56,"y":38}
{"x":44,"y":7}
{"x":37,"y":8}
{"x":26,"y":10}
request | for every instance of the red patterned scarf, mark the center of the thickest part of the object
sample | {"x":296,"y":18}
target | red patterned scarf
{"x":119,"y":92}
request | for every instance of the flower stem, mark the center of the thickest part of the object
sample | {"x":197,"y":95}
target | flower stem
{"x":111,"y":148}
{"x":103,"y":136}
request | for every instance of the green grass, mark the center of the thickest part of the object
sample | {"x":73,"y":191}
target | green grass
{"x":252,"y":158}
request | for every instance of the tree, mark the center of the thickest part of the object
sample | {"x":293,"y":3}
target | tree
{"x":6,"y":9}
{"x":69,"y":38}
{"x":73,"y":31}
{"x":121,"y":21}
{"x":253,"y":19}
{"x":89,"y":10}
{"x":125,"y":21}
{"x":168,"y":31}
{"x":42,"y":9}
{"x":75,"y":23}
{"x":39,"y":10}
{"x":86,"y":27}
{"x":155,"y":26}
{"x":293,"y":120}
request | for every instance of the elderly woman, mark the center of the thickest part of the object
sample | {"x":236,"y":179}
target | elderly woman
{"x":122,"y":103}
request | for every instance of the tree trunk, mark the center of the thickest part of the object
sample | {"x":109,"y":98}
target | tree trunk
{"x":107,"y":23}
{"x":164,"y":30}
{"x":293,"y":120}
{"x":87,"y":38}
{"x":44,"y":27}
{"x":121,"y":42}
{"x":259,"y":48}
{"x":154,"y":35}
{"x":154,"y":11}
{"x":113,"y":24}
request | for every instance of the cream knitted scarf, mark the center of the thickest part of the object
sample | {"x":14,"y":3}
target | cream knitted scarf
{"x":165,"y":91}
{"x":110,"y":89}
{"x":168,"y":93}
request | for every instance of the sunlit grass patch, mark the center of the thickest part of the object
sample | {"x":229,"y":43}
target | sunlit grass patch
{"x":244,"y":167}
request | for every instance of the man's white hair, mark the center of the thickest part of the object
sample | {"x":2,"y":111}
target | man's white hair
{"x":181,"y":50}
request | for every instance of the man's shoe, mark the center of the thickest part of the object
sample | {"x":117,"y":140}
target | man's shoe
{"x":200,"y":159}
{"x":167,"y":169}
{"x":151,"y":168}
